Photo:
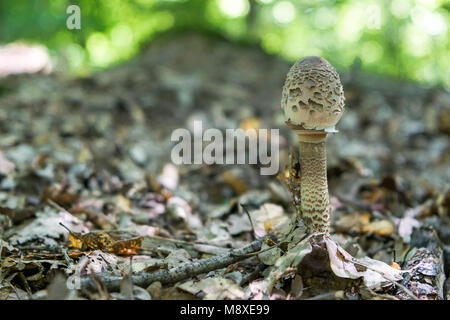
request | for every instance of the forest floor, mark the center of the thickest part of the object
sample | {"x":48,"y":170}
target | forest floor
{"x":93,"y":154}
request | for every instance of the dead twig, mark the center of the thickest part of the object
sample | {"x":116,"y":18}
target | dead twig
{"x":249,"y":218}
{"x":174,"y":275}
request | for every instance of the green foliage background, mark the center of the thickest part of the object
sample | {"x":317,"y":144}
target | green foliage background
{"x":406,"y":39}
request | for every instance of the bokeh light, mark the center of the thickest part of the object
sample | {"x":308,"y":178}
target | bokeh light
{"x":283,"y":12}
{"x":408,"y":39}
{"x":234,"y":8}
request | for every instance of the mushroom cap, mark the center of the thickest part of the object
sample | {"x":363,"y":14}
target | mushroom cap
{"x":313,"y":96}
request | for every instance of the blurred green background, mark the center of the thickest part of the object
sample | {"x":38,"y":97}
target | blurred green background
{"x":405,"y":39}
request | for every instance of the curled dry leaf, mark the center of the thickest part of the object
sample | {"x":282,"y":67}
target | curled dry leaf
{"x":375,"y":273}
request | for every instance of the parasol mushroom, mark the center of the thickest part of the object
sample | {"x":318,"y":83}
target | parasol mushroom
{"x":313,"y":102}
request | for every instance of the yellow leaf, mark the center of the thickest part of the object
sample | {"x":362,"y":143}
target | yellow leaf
{"x":380,"y":227}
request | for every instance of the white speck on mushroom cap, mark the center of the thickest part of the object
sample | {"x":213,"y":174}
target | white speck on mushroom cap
{"x":313,"y":96}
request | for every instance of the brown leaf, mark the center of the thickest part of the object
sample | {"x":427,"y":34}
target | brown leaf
{"x":17,"y":215}
{"x":380,"y":227}
{"x":104,"y":241}
{"x":126,"y":247}
{"x":60,"y":195}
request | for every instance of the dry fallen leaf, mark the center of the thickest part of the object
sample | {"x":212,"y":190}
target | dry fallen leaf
{"x":45,"y":229}
{"x":60,"y":195}
{"x":214,"y":233}
{"x":105,"y":241}
{"x":375,"y":273}
{"x":360,"y":223}
{"x":270,"y":218}
{"x":352,"y":223}
{"x":238,"y":223}
{"x":9,"y":292}
{"x":5,"y":247}
{"x":215,"y":288}
{"x":380,"y":227}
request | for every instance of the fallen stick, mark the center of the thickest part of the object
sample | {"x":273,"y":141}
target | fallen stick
{"x":173,"y":275}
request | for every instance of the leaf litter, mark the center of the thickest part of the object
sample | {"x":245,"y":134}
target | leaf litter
{"x":132,"y":215}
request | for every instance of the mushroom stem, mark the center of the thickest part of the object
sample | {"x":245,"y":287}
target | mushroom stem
{"x":315,"y":204}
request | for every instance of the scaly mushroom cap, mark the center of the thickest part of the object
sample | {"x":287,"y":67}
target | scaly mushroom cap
{"x":313,"y":96}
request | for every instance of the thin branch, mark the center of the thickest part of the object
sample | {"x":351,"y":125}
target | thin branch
{"x":174,"y":275}
{"x":249,"y":218}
